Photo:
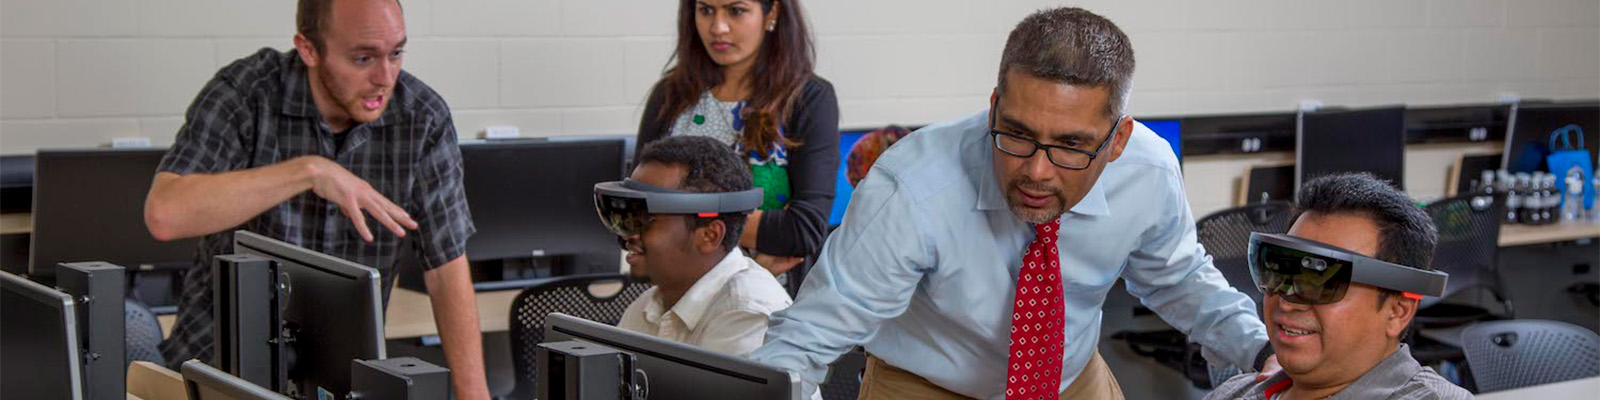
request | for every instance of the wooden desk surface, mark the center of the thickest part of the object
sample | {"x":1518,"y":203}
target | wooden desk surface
{"x":1517,"y":235}
{"x":16,"y":223}
{"x":410,"y":313}
{"x":1575,"y":389}
{"x":147,"y":381}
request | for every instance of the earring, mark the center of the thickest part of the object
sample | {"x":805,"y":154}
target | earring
{"x":772,"y":26}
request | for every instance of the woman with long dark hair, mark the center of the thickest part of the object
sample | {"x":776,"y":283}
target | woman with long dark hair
{"x":743,"y":73}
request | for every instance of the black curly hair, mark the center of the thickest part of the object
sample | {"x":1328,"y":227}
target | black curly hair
{"x":712,"y":167}
{"x":1406,"y":235}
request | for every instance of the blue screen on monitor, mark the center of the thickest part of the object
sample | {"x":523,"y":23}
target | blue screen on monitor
{"x":842,"y":188}
{"x":1168,"y":129}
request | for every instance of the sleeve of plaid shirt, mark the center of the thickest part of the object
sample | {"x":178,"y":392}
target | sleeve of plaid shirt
{"x":440,"y":207}
{"x":214,"y":132}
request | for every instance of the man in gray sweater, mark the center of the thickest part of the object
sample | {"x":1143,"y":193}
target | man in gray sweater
{"x":1339,"y":290}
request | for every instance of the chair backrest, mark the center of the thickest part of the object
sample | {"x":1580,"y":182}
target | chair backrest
{"x":844,"y":376}
{"x":142,"y":337}
{"x":1469,"y":237}
{"x":582,"y":296}
{"x":1519,"y":353}
{"x":1226,"y":236}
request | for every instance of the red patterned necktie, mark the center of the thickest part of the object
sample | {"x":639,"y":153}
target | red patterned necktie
{"x":1033,"y":370}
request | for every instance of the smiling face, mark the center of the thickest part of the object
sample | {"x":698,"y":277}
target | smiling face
{"x":733,"y":30}
{"x":1052,"y":113}
{"x":672,"y":251}
{"x":353,"y":70}
{"x":1336,"y":342}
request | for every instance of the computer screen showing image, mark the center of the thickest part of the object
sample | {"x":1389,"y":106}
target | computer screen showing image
{"x":842,"y":188}
{"x":1170,"y":129}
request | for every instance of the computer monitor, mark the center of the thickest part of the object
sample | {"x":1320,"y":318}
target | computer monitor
{"x":89,"y":206}
{"x":202,"y":382}
{"x":332,"y":313}
{"x":1532,"y":125}
{"x":1170,"y":129}
{"x":1368,"y":140}
{"x":842,"y":189}
{"x":679,"y":371}
{"x":535,"y":198}
{"x":1468,"y":171}
{"x":39,"y":338}
{"x":1266,"y":183}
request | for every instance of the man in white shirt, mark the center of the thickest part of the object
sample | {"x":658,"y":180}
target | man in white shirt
{"x":708,"y":294}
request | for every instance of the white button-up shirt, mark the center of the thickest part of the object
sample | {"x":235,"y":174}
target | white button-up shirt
{"x":725,"y":311}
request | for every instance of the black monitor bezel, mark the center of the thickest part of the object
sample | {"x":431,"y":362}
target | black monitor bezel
{"x":67,"y":311}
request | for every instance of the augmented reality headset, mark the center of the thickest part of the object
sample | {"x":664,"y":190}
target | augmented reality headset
{"x":1308,"y":272}
{"x":626,"y":207}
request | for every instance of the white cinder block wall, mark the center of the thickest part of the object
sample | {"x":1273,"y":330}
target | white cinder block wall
{"x":81,"y":72}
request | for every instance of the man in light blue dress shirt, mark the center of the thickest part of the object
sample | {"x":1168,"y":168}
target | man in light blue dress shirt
{"x":924,"y":269}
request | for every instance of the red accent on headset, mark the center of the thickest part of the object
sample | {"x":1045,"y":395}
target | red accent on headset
{"x":707,"y":215}
{"x":1410,"y":295}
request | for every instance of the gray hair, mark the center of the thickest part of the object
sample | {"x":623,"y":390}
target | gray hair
{"x":1073,"y":46}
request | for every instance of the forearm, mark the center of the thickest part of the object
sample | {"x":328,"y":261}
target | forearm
{"x":182,"y":206}
{"x":1202,"y":305}
{"x":455,"y":311}
{"x":752,"y":227}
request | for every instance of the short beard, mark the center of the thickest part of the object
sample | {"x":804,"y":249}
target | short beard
{"x":1031,"y":215}
{"x":351,"y":111}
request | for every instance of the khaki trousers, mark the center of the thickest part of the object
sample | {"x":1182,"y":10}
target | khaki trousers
{"x":883,"y":381}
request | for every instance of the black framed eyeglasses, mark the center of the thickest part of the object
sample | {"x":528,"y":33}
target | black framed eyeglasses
{"x":1024,"y":147}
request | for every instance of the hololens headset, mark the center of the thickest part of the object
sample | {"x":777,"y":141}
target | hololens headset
{"x":627,"y":207}
{"x":1308,"y":272}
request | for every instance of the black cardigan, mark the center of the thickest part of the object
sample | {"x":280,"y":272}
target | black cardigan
{"x":798,"y":229}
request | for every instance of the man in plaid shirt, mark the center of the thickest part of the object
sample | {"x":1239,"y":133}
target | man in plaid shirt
{"x":332,"y":147}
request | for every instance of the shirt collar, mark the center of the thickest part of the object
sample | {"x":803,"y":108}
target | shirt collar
{"x":297,"y":100}
{"x":979,"y":158}
{"x":694,"y":303}
{"x":1380,"y":381}
{"x":1390,"y":374}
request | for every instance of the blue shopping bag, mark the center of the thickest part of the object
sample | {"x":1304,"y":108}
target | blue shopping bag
{"x":1567,"y":159}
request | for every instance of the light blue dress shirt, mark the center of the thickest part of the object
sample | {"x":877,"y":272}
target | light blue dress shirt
{"x":923,"y":270}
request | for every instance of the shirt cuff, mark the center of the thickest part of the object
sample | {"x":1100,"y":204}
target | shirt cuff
{"x":1261,"y":356}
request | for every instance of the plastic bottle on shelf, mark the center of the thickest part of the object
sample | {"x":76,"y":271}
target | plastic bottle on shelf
{"x":1531,"y":199}
{"x":1572,"y":201}
{"x":1552,"y":200}
{"x":1513,"y":198}
{"x":1485,"y":184}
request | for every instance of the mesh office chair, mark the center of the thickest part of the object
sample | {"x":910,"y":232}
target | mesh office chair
{"x":1519,"y":353}
{"x":575,"y":296}
{"x":1468,"y":247}
{"x":844,"y":376}
{"x":142,"y":338}
{"x":1469,"y":244}
{"x":1226,"y":237}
